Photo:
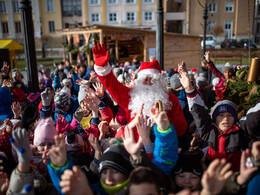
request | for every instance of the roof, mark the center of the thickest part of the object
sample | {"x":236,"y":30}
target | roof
{"x":115,"y":31}
{"x":10,"y":44}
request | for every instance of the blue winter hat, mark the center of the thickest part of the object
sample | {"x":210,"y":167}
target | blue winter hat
{"x":5,"y":104}
{"x":224,"y":106}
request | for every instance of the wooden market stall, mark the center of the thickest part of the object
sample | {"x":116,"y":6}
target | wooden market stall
{"x":130,"y":42}
{"x":12,"y":46}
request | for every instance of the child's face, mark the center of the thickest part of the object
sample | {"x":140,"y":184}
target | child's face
{"x":227,"y":74}
{"x":85,"y":108}
{"x":44,"y":146}
{"x":143,"y":189}
{"x":225,"y":121}
{"x":187,"y":180}
{"x":111,"y":177}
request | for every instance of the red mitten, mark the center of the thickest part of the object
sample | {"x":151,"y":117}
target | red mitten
{"x":101,"y":54}
{"x":62,"y":126}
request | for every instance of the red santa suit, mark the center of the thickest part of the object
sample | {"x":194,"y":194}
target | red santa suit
{"x":121,"y":94}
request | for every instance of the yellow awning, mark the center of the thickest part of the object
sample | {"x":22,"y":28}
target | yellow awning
{"x":10,"y":44}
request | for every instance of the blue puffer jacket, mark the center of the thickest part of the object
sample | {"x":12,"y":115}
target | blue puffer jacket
{"x":165,"y":153}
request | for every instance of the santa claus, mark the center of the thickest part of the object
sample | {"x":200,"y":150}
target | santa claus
{"x":150,"y":87}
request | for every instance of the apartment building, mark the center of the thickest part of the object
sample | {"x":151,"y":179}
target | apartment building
{"x":226,"y":18}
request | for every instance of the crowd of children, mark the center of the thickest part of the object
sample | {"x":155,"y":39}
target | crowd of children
{"x":137,"y":130}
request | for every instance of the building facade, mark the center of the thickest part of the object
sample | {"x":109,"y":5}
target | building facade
{"x":226,"y":18}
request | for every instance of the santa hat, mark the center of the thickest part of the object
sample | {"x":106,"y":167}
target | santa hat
{"x":193,"y":70}
{"x":149,"y":68}
{"x":44,"y":132}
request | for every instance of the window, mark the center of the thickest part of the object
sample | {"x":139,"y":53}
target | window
{"x":51,"y":27}
{"x":148,"y":1}
{"x":228,"y":28}
{"x":49,"y":6}
{"x":94,"y":2}
{"x":71,"y":8}
{"x":15,"y":7}
{"x":112,"y":17}
{"x":212,"y":7}
{"x":130,"y":1}
{"x":229,"y":7}
{"x":228,"y":25}
{"x":95,"y":18}
{"x":148,"y":16}
{"x":130,"y":16}
{"x":258,"y":27}
{"x":5,"y":28}
{"x":211,"y":24}
{"x":18,"y":27}
{"x":2,"y":7}
{"x":112,"y":2}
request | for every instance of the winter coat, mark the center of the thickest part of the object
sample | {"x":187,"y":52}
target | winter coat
{"x":227,"y":144}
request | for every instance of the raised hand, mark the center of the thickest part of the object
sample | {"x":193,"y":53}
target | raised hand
{"x":58,"y":153}
{"x":207,"y":56}
{"x":7,"y":83}
{"x":160,"y":118}
{"x":144,"y":129}
{"x":20,"y":143}
{"x":62,"y":125}
{"x":83,"y":82}
{"x":79,"y":114}
{"x":245,"y":172}
{"x":94,"y":143}
{"x":17,"y":109}
{"x":5,"y":68}
{"x":101,"y":54}
{"x":103,"y":129}
{"x":130,"y":144}
{"x":185,"y":79}
{"x":214,"y":178}
{"x":99,"y":89}
{"x":75,"y":182}
{"x":134,"y":122}
{"x":9,"y":125}
{"x":46,"y":97}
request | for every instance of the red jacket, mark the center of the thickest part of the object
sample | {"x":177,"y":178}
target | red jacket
{"x":121,"y":95}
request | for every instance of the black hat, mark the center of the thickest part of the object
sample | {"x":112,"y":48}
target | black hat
{"x":189,"y":162}
{"x":116,"y":157}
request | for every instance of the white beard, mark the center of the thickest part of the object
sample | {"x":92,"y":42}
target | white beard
{"x":148,"y":95}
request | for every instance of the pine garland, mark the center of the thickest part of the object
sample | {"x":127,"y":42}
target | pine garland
{"x":244,"y":94}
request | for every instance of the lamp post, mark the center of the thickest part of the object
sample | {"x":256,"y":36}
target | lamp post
{"x":205,"y":17}
{"x":29,"y":46}
{"x":159,"y":35}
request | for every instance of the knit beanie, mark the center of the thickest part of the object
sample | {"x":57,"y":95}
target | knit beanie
{"x":44,"y":132}
{"x":189,"y":162}
{"x":68,"y":82}
{"x":228,"y":67}
{"x":224,"y":106}
{"x":201,"y":81}
{"x":116,"y":157}
{"x":175,"y":81}
{"x":66,"y":90}
{"x":82,"y":93}
{"x":61,"y":100}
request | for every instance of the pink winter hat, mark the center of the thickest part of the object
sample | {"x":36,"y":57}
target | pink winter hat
{"x":44,"y":132}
